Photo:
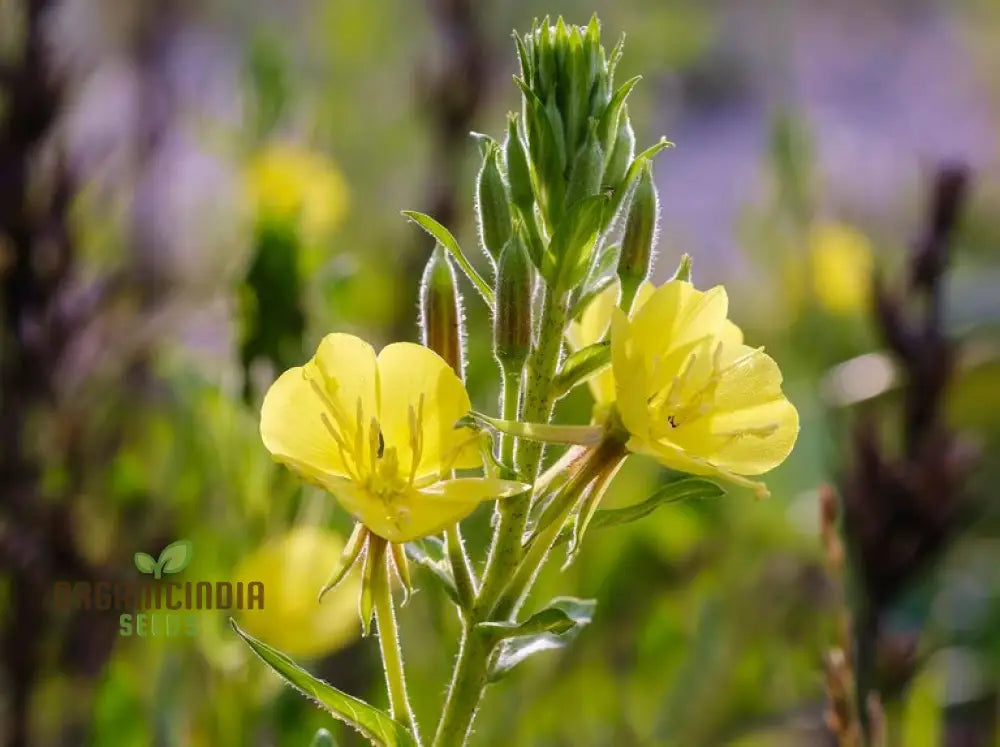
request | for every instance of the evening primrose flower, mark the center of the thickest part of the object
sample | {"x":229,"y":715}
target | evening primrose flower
{"x":378,"y":433}
{"x":691,"y":395}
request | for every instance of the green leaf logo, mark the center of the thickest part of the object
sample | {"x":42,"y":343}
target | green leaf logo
{"x":175,"y":558}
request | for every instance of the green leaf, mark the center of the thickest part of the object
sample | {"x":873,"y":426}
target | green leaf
{"x":175,"y":557}
{"x":609,"y":119}
{"x":684,"y":489}
{"x":375,"y":725}
{"x":549,"y":620}
{"x":145,"y":563}
{"x":580,"y":366}
{"x":429,"y":552}
{"x":601,"y":275}
{"x":517,"y":648}
{"x":566,"y":262}
{"x":449,"y":242}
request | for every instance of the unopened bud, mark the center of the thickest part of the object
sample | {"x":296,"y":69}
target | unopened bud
{"x":622,"y":151}
{"x":640,"y":236}
{"x":492,"y":205}
{"x":512,"y":319}
{"x":441,"y":310}
{"x":521,"y":193}
{"x":588,"y":167}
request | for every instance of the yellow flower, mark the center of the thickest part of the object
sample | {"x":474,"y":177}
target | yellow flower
{"x":378,"y":433}
{"x":841,"y":266}
{"x":292,"y":567}
{"x":289,"y":183}
{"x":691,"y":394}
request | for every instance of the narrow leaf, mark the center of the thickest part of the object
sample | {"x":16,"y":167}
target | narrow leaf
{"x":684,"y":489}
{"x":601,"y":275}
{"x":549,"y":620}
{"x":375,"y":725}
{"x":449,"y":242}
{"x":580,"y":366}
{"x":516,"y":649}
{"x":429,"y":553}
{"x":569,"y":255}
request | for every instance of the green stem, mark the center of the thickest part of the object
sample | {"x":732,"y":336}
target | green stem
{"x":392,"y":656}
{"x":600,"y":465}
{"x":471,"y":668}
{"x":505,"y":551}
{"x":465,"y":692}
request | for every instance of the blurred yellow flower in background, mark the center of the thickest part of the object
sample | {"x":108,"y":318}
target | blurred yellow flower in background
{"x":840,"y":264}
{"x":289,"y":183}
{"x":291,"y":567}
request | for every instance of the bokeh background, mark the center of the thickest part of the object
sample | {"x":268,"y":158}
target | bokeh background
{"x":193,"y":193}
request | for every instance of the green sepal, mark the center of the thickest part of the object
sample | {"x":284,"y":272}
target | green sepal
{"x":581,"y":435}
{"x":429,"y":552}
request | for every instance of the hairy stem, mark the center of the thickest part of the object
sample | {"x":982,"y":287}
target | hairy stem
{"x":505,"y":551}
{"x":471,"y":668}
{"x":465,"y":692}
{"x":392,"y":655}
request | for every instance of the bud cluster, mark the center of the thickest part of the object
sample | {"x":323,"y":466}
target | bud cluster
{"x":547,"y":196}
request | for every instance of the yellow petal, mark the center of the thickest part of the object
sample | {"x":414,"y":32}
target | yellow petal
{"x":419,"y":388}
{"x":411,"y":514}
{"x":309,"y":419}
{"x":630,"y":376}
{"x":675,"y":458}
{"x":752,"y":427}
{"x":677,"y":315}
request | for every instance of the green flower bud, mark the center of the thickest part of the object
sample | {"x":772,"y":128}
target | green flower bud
{"x":588,"y":167}
{"x":512,"y":318}
{"x":441,"y":311}
{"x":622,"y":152}
{"x":518,"y":173}
{"x":492,"y":205}
{"x":566,"y":84}
{"x":636,"y":256}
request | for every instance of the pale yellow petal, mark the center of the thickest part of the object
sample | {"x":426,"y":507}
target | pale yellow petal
{"x":677,"y":315}
{"x":631,"y":393}
{"x":420,"y":391}
{"x":293,"y":430}
{"x":752,"y":427}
